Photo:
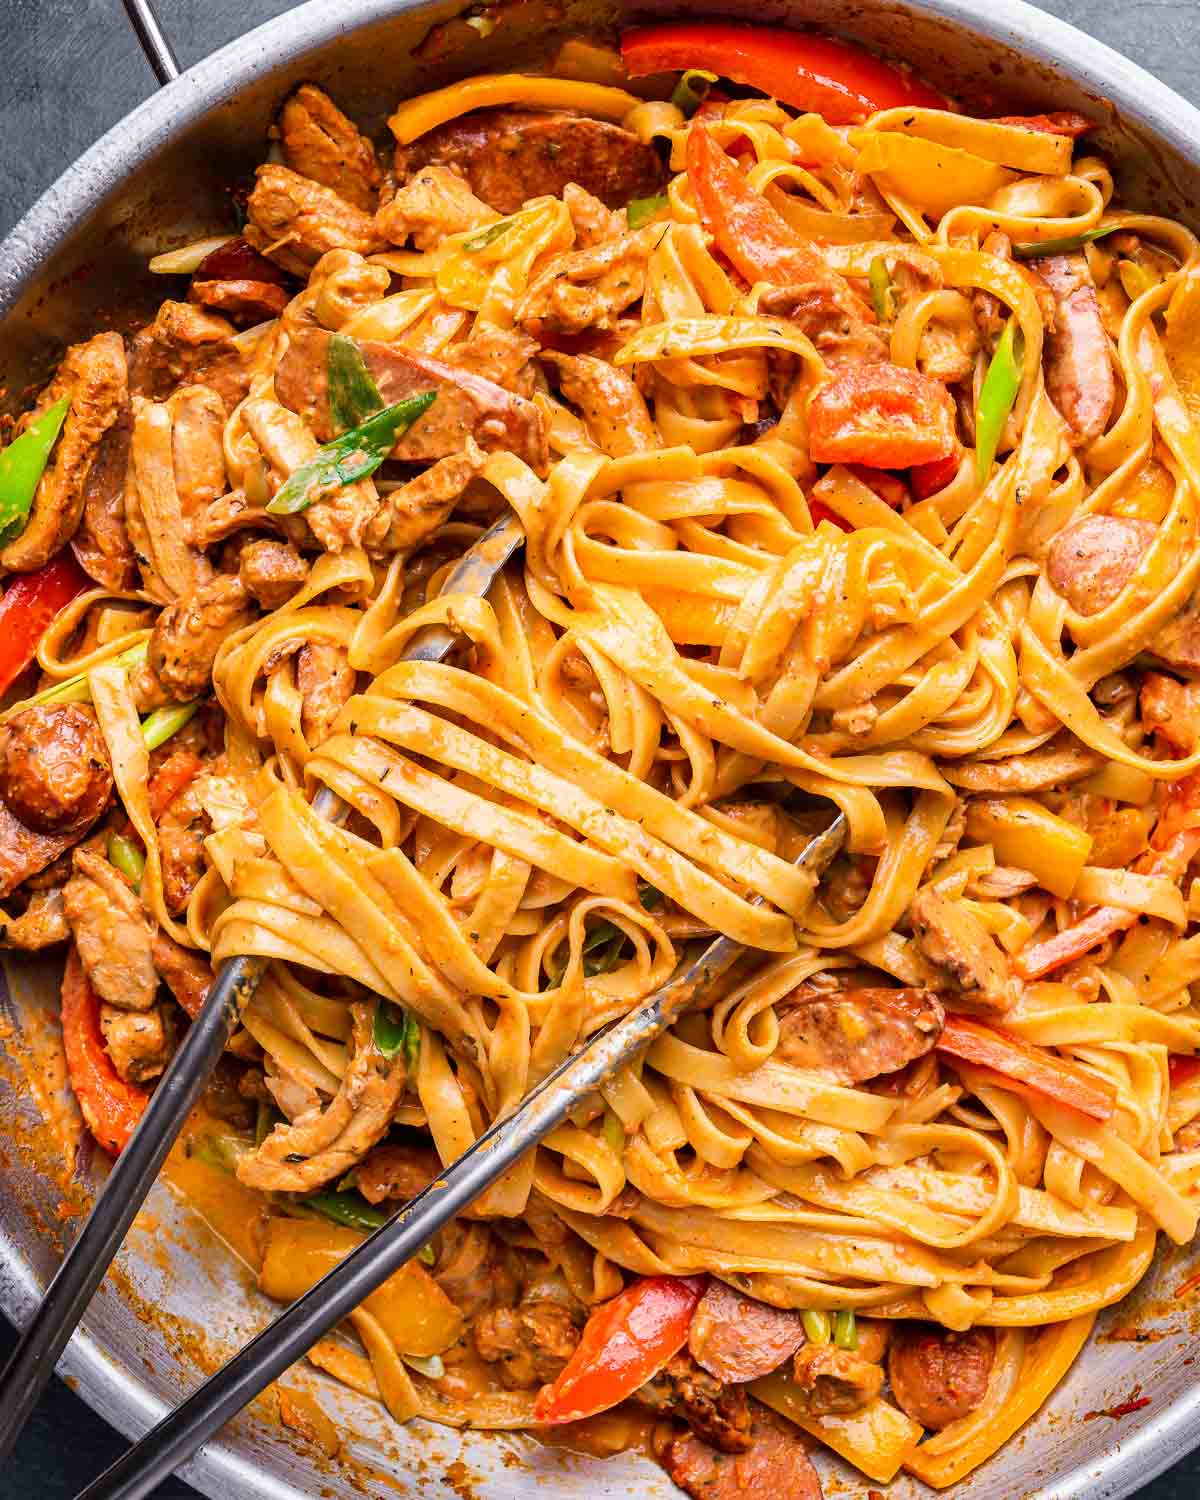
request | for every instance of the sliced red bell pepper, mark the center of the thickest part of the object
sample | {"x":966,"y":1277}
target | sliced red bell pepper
{"x":819,"y":512}
{"x":881,"y":415}
{"x":835,"y":79}
{"x":1182,"y":1069}
{"x":30,"y":603}
{"x":928,"y":479}
{"x":111,"y":1107}
{"x":625,"y":1343}
{"x":1026,"y":1066}
{"x":759,"y":242}
{"x":179,"y":768}
{"x":1061,"y":122}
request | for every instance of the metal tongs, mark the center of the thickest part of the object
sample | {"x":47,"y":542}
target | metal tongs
{"x":340,"y":1291}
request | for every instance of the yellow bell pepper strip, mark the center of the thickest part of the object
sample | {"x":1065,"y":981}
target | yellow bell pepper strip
{"x":22,"y":465}
{"x":997,"y":396}
{"x":1030,"y":836}
{"x":354,"y":455}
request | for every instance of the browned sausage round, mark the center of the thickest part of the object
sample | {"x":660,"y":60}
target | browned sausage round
{"x":737,"y":1338}
{"x":1091,"y":560}
{"x":858,"y":1034}
{"x":511,"y":155}
{"x":54,"y":767}
{"x":938,"y":1376}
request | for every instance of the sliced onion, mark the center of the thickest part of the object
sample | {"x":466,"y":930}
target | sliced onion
{"x":187,"y":258}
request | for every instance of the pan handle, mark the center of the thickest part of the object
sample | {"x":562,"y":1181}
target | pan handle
{"x":154,"y":44}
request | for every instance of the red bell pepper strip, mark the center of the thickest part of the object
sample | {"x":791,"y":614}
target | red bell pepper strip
{"x":928,"y":479}
{"x":179,"y":768}
{"x":759,"y":242}
{"x":832,"y":78}
{"x":1026,"y":1066}
{"x":1061,"y":122}
{"x":881,"y":415}
{"x":819,"y":512}
{"x":111,"y":1107}
{"x":30,"y":603}
{"x":625,"y":1343}
{"x":1183,"y":1070}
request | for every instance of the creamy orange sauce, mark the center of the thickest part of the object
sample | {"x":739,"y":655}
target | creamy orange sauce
{"x":234,"y":1213}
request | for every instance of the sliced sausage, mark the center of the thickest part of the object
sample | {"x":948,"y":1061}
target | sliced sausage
{"x":1092,"y":559}
{"x":245,"y":302}
{"x":858,"y":1034}
{"x":835,"y":1382}
{"x":1079,"y":375}
{"x":716,"y":1412}
{"x":937,"y":1376}
{"x":54,"y":768}
{"x":511,"y":155}
{"x":188,"y":974}
{"x":397,"y":1171}
{"x":466,"y":403}
{"x":776,"y":1466}
{"x":737,"y":1338}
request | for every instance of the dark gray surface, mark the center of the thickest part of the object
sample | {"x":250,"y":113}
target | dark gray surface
{"x":72,"y":68}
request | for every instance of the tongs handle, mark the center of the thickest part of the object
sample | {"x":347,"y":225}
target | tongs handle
{"x":159,"y":53}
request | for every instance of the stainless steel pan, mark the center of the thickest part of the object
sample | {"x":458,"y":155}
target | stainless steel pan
{"x":76,"y":262}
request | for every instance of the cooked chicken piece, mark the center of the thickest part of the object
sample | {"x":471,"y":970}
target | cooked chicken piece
{"x":326,"y":682}
{"x":835,"y":1382}
{"x":188,"y":975}
{"x":1002,"y":883}
{"x":188,"y":634}
{"x":176,"y":468}
{"x":1172,"y":709}
{"x":1078,"y":364}
{"x":183,"y":825}
{"x":717,"y":1413}
{"x":329,"y":1143}
{"x":856,"y":1034}
{"x":530,"y":1342}
{"x":92,"y":377}
{"x":613,"y":409}
{"x":1092,"y":559}
{"x":832,"y":317}
{"x":140,"y":1043}
{"x":511,"y":155}
{"x":40,"y":925}
{"x":948,"y":350}
{"x":186,"y":345}
{"x":416,"y":510}
{"x":588,"y":288}
{"x":320,"y":142}
{"x":396,"y":1172}
{"x":775,"y":1466}
{"x":1178,"y":644}
{"x":502,"y":355}
{"x":294,"y":1095}
{"x":432,"y":204}
{"x":939,"y":1377}
{"x":342,"y":285}
{"x":54,"y":768}
{"x":101,"y":543}
{"x":244,"y":302}
{"x":956,"y":941}
{"x":476,"y":1269}
{"x":466,"y":403}
{"x":1062,"y":761}
{"x":736,"y":1338}
{"x":339,"y":519}
{"x":111,"y":932}
{"x":271,"y":572}
{"x":594,"y":223}
{"x":294,"y":220}
{"x":232,"y":513}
